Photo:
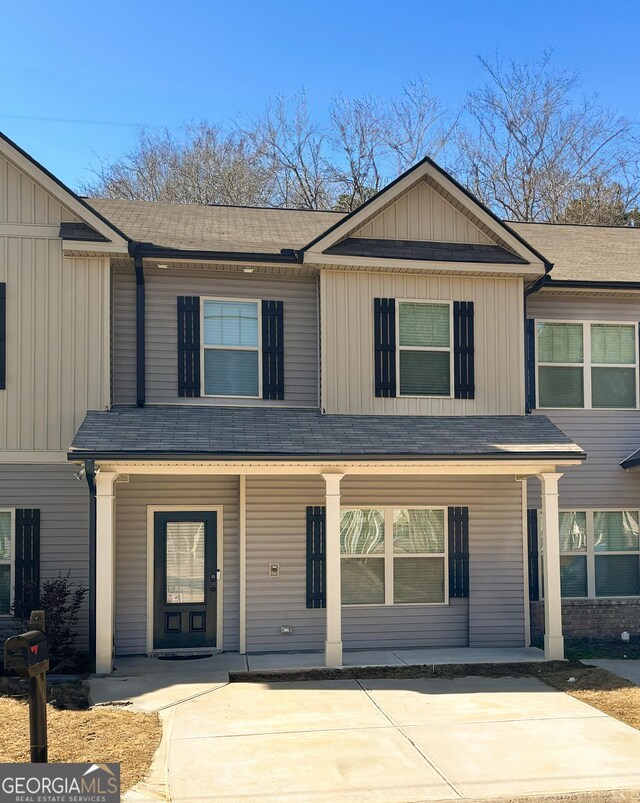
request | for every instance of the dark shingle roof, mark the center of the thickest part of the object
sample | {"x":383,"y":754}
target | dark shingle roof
{"x":429,"y":251}
{"x":80,"y":231}
{"x":231,"y":432}
{"x":632,"y":460}
{"x":586,"y":253}
{"x":215,"y":228}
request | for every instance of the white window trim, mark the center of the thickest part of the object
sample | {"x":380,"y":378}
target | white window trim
{"x":389,"y":556}
{"x":590,"y":553}
{"x":11,"y":561}
{"x":203,"y":347}
{"x":400,"y":348}
{"x":586,"y":364}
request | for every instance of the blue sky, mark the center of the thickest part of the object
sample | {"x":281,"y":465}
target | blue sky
{"x":79,"y":78}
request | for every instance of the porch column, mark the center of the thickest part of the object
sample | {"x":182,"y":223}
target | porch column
{"x":105,"y":548}
{"x":333,"y":643}
{"x":553,"y":640}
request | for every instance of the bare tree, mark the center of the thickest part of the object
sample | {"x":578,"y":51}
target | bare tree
{"x":532,"y":148}
{"x":204,"y":165}
{"x":291,"y":147}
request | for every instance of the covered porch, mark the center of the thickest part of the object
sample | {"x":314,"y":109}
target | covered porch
{"x":260,"y":583}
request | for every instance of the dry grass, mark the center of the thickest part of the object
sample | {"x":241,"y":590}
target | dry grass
{"x":97,"y":735}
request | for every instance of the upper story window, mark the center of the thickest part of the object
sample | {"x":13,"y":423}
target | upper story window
{"x":424,"y":344}
{"x":231,"y":348}
{"x":587,"y":365}
{"x":6,"y":561}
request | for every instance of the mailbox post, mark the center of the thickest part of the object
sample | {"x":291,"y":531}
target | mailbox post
{"x":28,"y":655}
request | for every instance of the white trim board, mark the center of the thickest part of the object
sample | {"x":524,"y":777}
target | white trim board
{"x":218,"y":510}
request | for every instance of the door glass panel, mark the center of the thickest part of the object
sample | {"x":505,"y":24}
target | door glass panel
{"x":185,"y":562}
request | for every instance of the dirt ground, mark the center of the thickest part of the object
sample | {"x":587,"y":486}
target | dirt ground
{"x":96,"y":735}
{"x":615,"y":696}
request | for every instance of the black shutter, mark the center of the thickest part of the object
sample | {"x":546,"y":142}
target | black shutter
{"x":27,"y":561}
{"x":384,"y":338}
{"x":188,"y":346}
{"x":532,"y":552}
{"x":458,"y":536}
{"x":530,"y":356}
{"x":272,"y":350}
{"x":3,"y":335}
{"x":316,"y":541}
{"x":463,"y":350}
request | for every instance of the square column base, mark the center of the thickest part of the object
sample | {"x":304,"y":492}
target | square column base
{"x":333,"y":654}
{"x":554,"y":648}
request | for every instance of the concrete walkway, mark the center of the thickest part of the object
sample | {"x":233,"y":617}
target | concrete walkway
{"x":370,"y":740}
{"x":624,"y":668}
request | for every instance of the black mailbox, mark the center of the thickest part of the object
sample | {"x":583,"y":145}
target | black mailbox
{"x":27,"y":654}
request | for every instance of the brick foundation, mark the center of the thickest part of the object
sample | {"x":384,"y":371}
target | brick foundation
{"x":593,"y":619}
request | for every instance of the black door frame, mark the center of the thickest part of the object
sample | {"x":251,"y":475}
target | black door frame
{"x":151,"y":573}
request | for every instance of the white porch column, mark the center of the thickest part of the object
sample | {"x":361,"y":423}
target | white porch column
{"x":333,"y":643}
{"x":553,"y":640}
{"x":105,"y":578}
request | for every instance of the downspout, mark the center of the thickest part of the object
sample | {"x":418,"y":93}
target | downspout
{"x":533,"y":288}
{"x":90,"y":474}
{"x":140,"y":321}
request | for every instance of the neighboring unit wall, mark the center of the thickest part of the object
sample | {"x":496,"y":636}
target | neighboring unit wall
{"x":58,"y":363}
{"x":63,"y":502}
{"x":300,"y":297}
{"x":348,"y":345}
{"x":276,"y":533}
{"x":132,"y":500}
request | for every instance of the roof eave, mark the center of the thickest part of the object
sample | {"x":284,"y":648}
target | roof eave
{"x":152,"y":251}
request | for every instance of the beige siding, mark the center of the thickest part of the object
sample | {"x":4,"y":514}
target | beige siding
{"x":57,"y":343}
{"x":276,"y":533}
{"x":347,"y":342}
{"x":423,"y":213}
{"x":132,"y":499}
{"x":25,"y":202}
{"x":63,"y":502}
{"x":300,"y":297}
{"x":607,"y":436}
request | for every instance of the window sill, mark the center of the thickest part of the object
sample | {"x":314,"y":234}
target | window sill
{"x":404,"y":396}
{"x":356,"y":606}
{"x":212,"y":396}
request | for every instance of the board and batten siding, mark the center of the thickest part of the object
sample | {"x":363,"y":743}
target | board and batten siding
{"x":348,"y":347}
{"x":58,"y":355}
{"x":300,"y":297}
{"x":276,"y":533}
{"x":63,"y":502}
{"x":424,"y":213}
{"x":22,"y":201}
{"x":607,"y":436}
{"x":132,"y":500}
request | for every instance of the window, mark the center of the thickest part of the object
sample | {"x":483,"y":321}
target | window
{"x":393,"y":556}
{"x":6,"y":561}
{"x":424,"y":343}
{"x":587,"y":365}
{"x":231,"y":348}
{"x":599,"y":553}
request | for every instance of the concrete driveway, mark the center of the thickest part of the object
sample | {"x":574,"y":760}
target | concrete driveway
{"x":392,"y":741}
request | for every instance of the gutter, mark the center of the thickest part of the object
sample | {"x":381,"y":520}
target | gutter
{"x":151,"y":251}
{"x":136,"y":253}
{"x":90,"y":474}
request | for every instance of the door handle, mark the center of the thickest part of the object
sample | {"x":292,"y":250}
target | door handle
{"x":214,"y":575}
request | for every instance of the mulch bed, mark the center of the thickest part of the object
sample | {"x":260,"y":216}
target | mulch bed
{"x":78,"y":733}
{"x":609,"y":693}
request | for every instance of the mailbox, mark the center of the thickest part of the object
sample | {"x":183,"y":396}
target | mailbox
{"x":27,"y":654}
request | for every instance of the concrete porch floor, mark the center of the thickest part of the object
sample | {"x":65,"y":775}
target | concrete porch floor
{"x":153,"y":684}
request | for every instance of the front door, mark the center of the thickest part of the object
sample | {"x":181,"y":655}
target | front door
{"x":185,"y":580}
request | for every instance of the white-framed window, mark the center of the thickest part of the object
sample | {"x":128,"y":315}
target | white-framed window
{"x":425,"y":354}
{"x":599,"y":553}
{"x":231,"y":346}
{"x":394,"y":556}
{"x":7,"y":557}
{"x":587,"y":365}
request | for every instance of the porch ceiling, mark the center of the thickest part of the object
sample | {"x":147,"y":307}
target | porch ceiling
{"x":284,"y":437}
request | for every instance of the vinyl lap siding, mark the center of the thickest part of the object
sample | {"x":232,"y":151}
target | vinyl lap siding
{"x":348,"y":349}
{"x":64,"y":515}
{"x":276,"y":509}
{"x":300,"y":297}
{"x":132,"y":499}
